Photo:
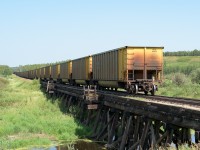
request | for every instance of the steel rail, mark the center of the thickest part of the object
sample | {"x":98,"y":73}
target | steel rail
{"x":156,"y":98}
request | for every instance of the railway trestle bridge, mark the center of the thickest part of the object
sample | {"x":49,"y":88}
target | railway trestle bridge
{"x":128,"y":122}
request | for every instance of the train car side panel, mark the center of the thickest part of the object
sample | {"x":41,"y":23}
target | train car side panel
{"x":47,"y":74}
{"x":81,"y":70}
{"x":66,"y":71}
{"x":55,"y":72}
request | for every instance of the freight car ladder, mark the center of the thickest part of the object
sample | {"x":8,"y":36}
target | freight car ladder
{"x":90,"y":96}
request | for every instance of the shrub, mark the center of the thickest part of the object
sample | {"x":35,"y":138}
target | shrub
{"x":5,"y":70}
{"x":179,"y":79}
{"x":195,"y":76}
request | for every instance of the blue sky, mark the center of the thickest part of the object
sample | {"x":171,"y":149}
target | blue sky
{"x":44,"y":31}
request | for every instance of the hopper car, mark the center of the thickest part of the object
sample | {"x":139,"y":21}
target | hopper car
{"x":133,"y":68}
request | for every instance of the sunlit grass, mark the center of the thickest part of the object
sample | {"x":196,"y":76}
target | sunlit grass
{"x":188,"y":89}
{"x":183,"y":64}
{"x":24,"y":109}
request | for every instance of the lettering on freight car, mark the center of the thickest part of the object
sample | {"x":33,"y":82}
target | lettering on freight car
{"x":154,"y":50}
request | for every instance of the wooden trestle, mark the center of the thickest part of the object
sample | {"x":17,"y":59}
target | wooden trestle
{"x":130,"y":124}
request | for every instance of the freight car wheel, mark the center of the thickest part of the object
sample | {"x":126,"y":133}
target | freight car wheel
{"x":153,"y":90}
{"x":134,"y":89}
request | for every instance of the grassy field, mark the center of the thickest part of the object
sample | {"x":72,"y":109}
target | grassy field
{"x":179,"y":78}
{"x":183,"y":64}
{"x":27,"y":117}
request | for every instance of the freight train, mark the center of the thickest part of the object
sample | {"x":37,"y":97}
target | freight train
{"x":133,"y":68}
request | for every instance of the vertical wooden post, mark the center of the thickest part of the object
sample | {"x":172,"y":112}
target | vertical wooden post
{"x":157,"y":129}
{"x":88,"y":116}
{"x":113,"y":127}
{"x":96,"y":121}
{"x":145,"y":131}
{"x":136,"y":130}
{"x":197,"y":135}
{"x":153,"y":138}
{"x":125,"y":135}
{"x":108,"y":128}
{"x":69,"y":103}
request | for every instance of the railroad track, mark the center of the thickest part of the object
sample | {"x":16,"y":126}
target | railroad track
{"x":158,"y":99}
{"x":177,"y":111}
{"x":187,"y":101}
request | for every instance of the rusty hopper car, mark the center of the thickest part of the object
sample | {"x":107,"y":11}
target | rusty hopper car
{"x":82,"y":70}
{"x":47,"y":74}
{"x":66,"y":71}
{"x":132,"y":68}
{"x":55,"y":72}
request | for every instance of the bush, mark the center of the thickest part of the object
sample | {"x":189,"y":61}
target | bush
{"x":179,"y":79}
{"x":5,"y":70}
{"x":195,"y":76}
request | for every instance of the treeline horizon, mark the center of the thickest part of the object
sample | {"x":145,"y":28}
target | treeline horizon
{"x":183,"y":53}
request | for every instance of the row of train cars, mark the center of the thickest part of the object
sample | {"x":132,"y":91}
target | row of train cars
{"x":133,"y":68}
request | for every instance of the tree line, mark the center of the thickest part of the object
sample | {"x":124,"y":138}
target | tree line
{"x":183,"y":53}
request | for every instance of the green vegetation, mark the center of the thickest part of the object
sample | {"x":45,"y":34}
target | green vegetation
{"x":182,"y":64}
{"x":5,"y":70}
{"x":181,"y":77}
{"x":183,"y":53}
{"x":28,"y":117}
{"x":3,"y":83}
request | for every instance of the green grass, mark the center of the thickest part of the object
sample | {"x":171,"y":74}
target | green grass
{"x":3,"y":83}
{"x":27,"y":117}
{"x":181,"y":67}
{"x":187,"y":89}
{"x":183,"y":64}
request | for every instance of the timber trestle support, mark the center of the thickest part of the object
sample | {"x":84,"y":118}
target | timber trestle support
{"x":121,"y":127}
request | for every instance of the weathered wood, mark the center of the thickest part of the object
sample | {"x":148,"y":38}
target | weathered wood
{"x":123,"y":122}
{"x":101,"y":122}
{"x":109,"y":126}
{"x":134,"y":145}
{"x":153,"y":137}
{"x":168,"y":118}
{"x":113,"y":128}
{"x":146,"y":128}
{"x":197,"y":135}
{"x":96,"y":121}
{"x":104,"y":136}
{"x":124,"y":138}
{"x":136,"y":130}
{"x":88,"y":116}
{"x":113,"y":145}
{"x":162,"y":137}
{"x":105,"y":126}
{"x":169,"y":137}
{"x":69,"y":103}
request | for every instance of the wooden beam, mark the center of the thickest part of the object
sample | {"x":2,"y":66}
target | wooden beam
{"x":146,"y":129}
{"x":125,"y":135}
{"x":136,"y":130}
